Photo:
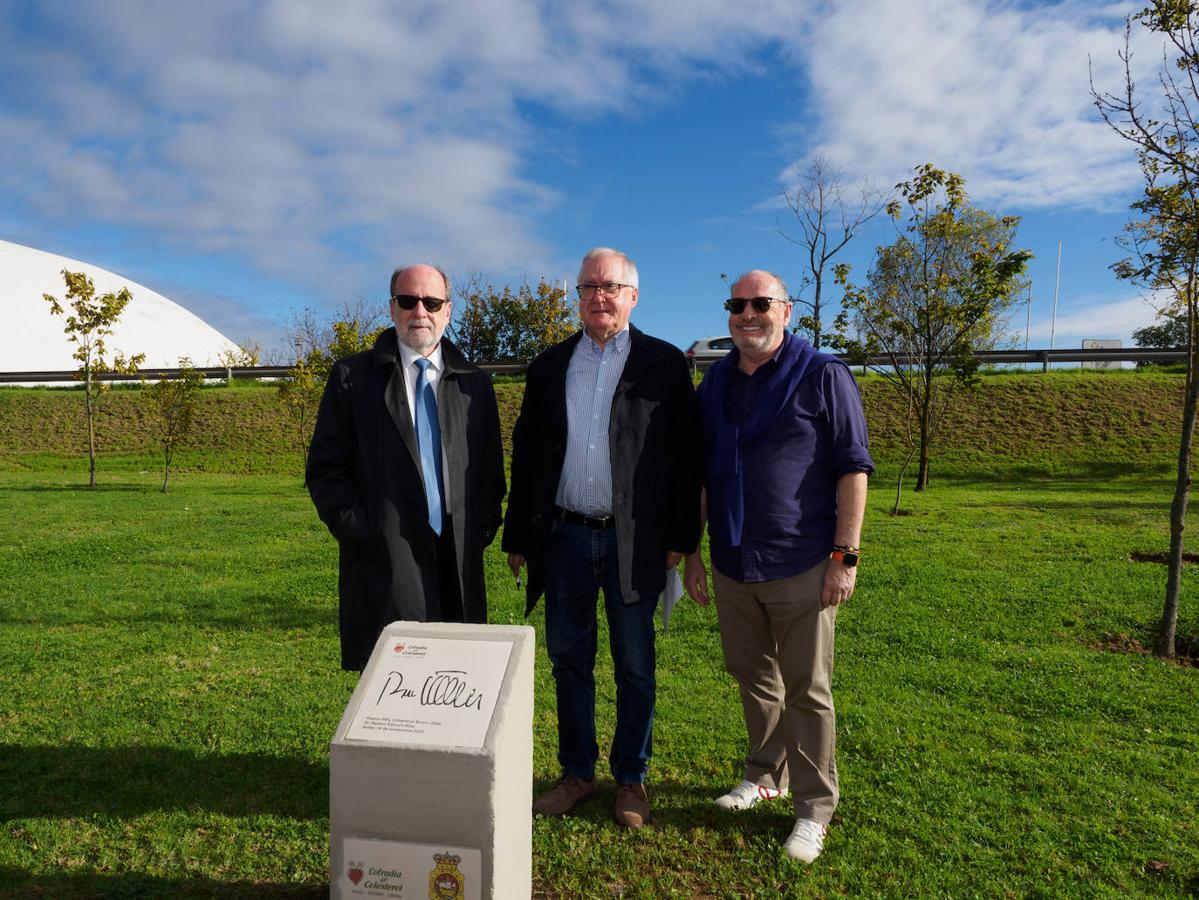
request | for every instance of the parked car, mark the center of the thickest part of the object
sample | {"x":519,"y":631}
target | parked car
{"x":707,"y":350}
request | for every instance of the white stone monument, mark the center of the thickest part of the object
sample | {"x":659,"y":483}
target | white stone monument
{"x":431,"y":768}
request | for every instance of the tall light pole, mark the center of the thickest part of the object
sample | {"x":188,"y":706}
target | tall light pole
{"x":1027,"y":316}
{"x":1057,"y":283}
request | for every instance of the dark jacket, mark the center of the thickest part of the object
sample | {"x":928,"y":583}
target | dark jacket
{"x":364,"y":477}
{"x":655,"y":443}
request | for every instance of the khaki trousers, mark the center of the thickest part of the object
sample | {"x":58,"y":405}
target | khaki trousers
{"x":778,"y":645}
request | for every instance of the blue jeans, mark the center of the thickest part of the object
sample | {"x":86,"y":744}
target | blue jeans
{"x":580,"y":561}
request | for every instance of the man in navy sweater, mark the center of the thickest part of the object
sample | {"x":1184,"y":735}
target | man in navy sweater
{"x":786,"y":468}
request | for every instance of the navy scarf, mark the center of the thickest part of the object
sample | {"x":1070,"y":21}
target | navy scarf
{"x":726,"y":495}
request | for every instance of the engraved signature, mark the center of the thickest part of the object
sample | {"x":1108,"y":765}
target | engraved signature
{"x":445,"y":687}
{"x":393,"y":686}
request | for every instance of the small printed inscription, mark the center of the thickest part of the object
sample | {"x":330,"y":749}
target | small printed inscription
{"x":432,"y":691}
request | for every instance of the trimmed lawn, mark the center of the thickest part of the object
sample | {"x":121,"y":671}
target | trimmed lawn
{"x":169,"y":686}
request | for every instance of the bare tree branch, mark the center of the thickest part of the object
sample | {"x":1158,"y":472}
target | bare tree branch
{"x":829,"y":212}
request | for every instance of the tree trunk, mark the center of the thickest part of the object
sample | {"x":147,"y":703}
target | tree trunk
{"x":899,"y":481}
{"x":91,"y":428}
{"x":922,"y":470}
{"x":1163,"y":645}
{"x":166,"y":472}
{"x":816,"y":311}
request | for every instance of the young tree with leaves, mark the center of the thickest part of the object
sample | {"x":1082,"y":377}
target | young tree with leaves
{"x":1170,"y":333}
{"x":244,"y":356}
{"x":508,"y":325}
{"x":829,"y":212}
{"x":299,"y":393}
{"x":171,"y":403}
{"x":321,"y":341}
{"x":300,"y":390}
{"x":1163,"y":245}
{"x":89,"y":322}
{"x":932,"y":298}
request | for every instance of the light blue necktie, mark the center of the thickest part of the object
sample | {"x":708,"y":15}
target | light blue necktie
{"x":428,"y":439}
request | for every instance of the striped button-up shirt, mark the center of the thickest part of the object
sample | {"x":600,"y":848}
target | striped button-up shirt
{"x":591,"y":378}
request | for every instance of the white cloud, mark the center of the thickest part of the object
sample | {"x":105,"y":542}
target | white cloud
{"x":1093,"y":318}
{"x":296,"y":135}
{"x":275,"y":130}
{"x":995,"y":91}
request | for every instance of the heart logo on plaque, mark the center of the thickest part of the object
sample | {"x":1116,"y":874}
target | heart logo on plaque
{"x":399,"y":648}
{"x":354,"y":873}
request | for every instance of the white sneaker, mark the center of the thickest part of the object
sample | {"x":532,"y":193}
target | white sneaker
{"x":748,"y":794}
{"x":806,"y":840}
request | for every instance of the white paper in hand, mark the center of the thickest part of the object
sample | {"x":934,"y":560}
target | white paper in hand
{"x":670,"y":596}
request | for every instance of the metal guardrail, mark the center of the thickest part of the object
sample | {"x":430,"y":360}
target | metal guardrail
{"x":210,"y":373}
{"x":1047,"y":357}
{"x":1021,"y":357}
{"x":993,"y":357}
{"x":218,"y":373}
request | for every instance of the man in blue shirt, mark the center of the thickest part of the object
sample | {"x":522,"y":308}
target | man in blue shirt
{"x":605,"y":495}
{"x":786,"y":468}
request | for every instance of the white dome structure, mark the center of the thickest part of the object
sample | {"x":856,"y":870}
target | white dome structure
{"x":32,"y":340}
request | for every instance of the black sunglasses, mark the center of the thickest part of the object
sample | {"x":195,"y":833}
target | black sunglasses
{"x":736,"y":305}
{"x":409,"y":301}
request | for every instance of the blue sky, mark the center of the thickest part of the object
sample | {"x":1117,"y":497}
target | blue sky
{"x":252,"y":159}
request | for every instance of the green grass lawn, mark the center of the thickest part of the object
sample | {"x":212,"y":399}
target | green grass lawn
{"x":169,"y":686}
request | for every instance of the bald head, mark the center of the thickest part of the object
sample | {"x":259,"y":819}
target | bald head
{"x":418,"y":326}
{"x":759,"y":333}
{"x":419,"y":270}
{"x":760,"y":283}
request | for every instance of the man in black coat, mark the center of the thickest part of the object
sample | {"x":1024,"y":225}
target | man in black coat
{"x":406,"y":469}
{"x":605,"y":494}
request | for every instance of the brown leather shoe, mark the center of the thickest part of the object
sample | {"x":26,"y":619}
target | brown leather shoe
{"x":632,"y":806}
{"x":567,"y":793}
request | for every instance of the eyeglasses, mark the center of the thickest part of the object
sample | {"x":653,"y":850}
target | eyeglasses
{"x":607,"y":289}
{"x":409,"y":301}
{"x":736,"y":305}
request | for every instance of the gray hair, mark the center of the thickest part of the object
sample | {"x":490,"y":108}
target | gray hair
{"x":391,"y":285}
{"x":630,"y":267}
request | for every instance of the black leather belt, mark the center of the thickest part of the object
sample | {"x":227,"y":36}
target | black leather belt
{"x":574,"y":518}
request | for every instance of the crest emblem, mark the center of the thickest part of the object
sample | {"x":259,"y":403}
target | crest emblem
{"x":445,"y":881}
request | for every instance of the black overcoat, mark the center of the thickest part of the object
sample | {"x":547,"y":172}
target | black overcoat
{"x":655,"y":446}
{"x":364,"y":477}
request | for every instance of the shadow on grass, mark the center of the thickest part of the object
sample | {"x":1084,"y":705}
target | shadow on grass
{"x":239,"y":484}
{"x":85,"y":886}
{"x":82,"y":488}
{"x":246,"y":612}
{"x":72,"y":781}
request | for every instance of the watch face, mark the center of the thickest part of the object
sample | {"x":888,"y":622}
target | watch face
{"x":846,"y":557}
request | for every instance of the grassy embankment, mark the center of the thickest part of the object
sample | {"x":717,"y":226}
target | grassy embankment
{"x":169,"y":683}
{"x":1047,"y":423}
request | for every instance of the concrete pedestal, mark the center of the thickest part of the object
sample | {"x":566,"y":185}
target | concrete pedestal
{"x":428,"y":795}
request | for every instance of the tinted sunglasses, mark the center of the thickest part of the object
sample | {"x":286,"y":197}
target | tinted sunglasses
{"x":409,"y":301}
{"x":736,"y":305}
